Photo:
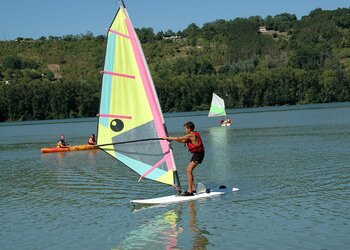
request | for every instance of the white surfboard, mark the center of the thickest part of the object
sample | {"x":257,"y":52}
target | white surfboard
{"x":174,"y":199}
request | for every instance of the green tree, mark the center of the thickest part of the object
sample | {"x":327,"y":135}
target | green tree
{"x":145,"y":35}
{"x":12,"y":62}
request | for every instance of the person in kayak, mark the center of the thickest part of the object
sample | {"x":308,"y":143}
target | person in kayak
{"x":62,"y":143}
{"x":92,"y":140}
{"x":195,"y":145}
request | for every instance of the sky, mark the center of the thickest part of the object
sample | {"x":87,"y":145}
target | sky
{"x":36,"y":18}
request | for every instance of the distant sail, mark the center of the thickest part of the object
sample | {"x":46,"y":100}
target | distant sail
{"x":129,"y":108}
{"x":217,"y":107}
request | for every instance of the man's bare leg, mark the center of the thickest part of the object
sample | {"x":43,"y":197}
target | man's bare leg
{"x":190,"y":177}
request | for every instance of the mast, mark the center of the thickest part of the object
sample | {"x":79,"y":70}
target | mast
{"x":121,"y":4}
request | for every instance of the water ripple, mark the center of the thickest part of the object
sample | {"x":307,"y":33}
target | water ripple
{"x":294,"y":193}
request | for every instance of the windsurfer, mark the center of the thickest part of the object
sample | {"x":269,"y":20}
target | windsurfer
{"x":62,"y":143}
{"x":196,"y":147}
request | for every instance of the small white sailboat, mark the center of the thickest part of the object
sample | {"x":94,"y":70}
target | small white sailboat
{"x":217,"y":109}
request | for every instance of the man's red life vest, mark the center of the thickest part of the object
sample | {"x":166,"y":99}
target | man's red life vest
{"x":195,"y":148}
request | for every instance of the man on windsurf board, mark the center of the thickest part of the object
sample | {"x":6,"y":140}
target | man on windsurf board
{"x":195,"y":145}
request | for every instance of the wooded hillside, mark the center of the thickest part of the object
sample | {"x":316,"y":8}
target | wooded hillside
{"x":293,"y":62}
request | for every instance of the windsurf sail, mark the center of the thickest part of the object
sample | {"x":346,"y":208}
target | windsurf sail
{"x":130,"y":109}
{"x":217,"y":107}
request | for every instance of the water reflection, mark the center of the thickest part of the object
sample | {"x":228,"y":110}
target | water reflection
{"x":220,"y":148}
{"x":200,"y":241}
{"x":57,"y":158}
{"x":219,"y":136}
{"x":160,"y":232}
{"x":92,"y":155}
{"x":164,"y":231}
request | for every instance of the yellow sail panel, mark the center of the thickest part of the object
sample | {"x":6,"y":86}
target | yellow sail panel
{"x":118,"y":24}
{"x":167,"y":178}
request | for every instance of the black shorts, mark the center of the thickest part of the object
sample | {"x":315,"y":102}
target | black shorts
{"x":198,"y":157}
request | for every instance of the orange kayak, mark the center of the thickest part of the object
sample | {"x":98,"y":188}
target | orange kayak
{"x":71,"y":148}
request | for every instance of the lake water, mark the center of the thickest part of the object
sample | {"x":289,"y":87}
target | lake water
{"x":291,"y":165}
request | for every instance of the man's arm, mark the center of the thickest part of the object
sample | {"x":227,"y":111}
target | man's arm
{"x":184,"y":138}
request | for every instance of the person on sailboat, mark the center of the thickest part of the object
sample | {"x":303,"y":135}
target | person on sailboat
{"x":227,"y":121}
{"x":62,"y":142}
{"x":195,"y":145}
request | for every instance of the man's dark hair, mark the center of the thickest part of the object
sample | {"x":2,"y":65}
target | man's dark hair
{"x":189,"y":125}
